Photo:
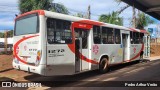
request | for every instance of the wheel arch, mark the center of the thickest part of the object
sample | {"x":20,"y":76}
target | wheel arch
{"x":103,"y":56}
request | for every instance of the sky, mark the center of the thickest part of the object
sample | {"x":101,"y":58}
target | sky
{"x":8,"y":9}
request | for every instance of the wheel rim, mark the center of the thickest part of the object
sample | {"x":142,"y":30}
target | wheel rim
{"x":104,"y":64}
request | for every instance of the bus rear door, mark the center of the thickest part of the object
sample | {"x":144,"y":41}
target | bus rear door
{"x":126,"y":45}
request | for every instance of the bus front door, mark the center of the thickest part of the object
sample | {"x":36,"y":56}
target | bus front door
{"x":146,"y":46}
{"x":81,"y":49}
{"x":125,"y":43}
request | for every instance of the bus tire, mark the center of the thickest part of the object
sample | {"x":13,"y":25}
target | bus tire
{"x":103,"y":65}
{"x":141,"y":57}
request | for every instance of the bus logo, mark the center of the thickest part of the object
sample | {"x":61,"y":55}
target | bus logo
{"x":25,"y":47}
{"x":17,"y":50}
{"x":95,"y":49}
{"x":134,"y":50}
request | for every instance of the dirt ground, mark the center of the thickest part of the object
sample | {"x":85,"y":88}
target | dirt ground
{"x":155,"y":50}
{"x":7,"y":73}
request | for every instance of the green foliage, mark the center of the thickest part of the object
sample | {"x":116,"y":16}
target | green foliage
{"x":29,"y":5}
{"x":143,"y":20}
{"x":112,"y":18}
{"x":9,"y":34}
{"x":1,"y":35}
{"x":60,"y":8}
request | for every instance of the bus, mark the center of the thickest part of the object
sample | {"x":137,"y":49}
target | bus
{"x":49,"y":43}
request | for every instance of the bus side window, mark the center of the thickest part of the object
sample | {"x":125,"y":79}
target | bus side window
{"x":136,"y":37}
{"x":131,"y":37}
{"x":110,"y":36}
{"x":104,"y":35}
{"x":58,"y":31}
{"x":96,"y":35}
{"x":50,"y":30}
{"x":117,"y":36}
{"x":141,"y":37}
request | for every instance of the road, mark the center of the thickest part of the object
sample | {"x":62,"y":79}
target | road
{"x":135,"y":71}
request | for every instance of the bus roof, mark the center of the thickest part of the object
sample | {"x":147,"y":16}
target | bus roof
{"x":78,"y":19}
{"x":138,"y":30}
{"x":40,"y":12}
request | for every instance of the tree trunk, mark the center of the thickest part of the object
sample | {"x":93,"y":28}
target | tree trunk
{"x":5,"y":42}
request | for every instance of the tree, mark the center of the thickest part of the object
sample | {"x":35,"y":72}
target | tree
{"x":143,"y":20}
{"x":1,"y":35}
{"x":122,"y":9}
{"x":133,"y":10}
{"x":28,"y":5}
{"x":9,"y":34}
{"x":60,"y":8}
{"x":140,"y":21}
{"x":112,"y":18}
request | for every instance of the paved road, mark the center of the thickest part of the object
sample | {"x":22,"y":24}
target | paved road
{"x":135,"y":71}
{"x":117,"y":76}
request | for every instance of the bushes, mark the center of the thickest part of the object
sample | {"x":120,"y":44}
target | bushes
{"x":6,"y":53}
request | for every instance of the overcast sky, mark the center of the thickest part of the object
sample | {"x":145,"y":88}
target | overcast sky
{"x":8,"y":9}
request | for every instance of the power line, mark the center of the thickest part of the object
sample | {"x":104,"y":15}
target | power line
{"x":9,"y":5}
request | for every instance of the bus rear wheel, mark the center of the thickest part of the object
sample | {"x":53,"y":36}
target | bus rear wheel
{"x":103,"y":65}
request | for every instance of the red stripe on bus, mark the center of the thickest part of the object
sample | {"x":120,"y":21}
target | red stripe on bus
{"x":72,"y":46}
{"x":130,"y":59}
{"x":144,"y":31}
{"x":82,"y":57}
{"x":134,"y":30}
{"x":137,"y":54}
{"x":82,"y":25}
{"x":91,"y":22}
{"x":40,"y":12}
{"x":16,"y":46}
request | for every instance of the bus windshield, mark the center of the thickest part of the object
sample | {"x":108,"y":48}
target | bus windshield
{"x":26,"y":25}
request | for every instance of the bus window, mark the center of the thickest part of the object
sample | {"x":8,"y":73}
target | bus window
{"x":58,"y":31}
{"x":96,"y":35}
{"x":84,"y":39}
{"x":131,"y":37}
{"x":141,"y":37}
{"x":27,"y":25}
{"x":117,"y":36}
{"x":110,"y":36}
{"x":136,"y":37}
{"x":82,"y":33}
{"x":104,"y":35}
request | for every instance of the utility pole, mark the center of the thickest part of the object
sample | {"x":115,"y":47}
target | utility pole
{"x":5,"y":41}
{"x":89,"y":12}
{"x":134,"y":17}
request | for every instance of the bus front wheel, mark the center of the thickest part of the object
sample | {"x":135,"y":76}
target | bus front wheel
{"x":103,"y":65}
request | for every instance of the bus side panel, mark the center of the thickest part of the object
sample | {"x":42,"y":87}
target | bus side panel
{"x":42,"y":66}
{"x":114,"y":52}
{"x":60,"y":60}
{"x":135,"y":49}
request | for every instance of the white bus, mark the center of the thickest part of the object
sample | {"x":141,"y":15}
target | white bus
{"x":49,"y":43}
